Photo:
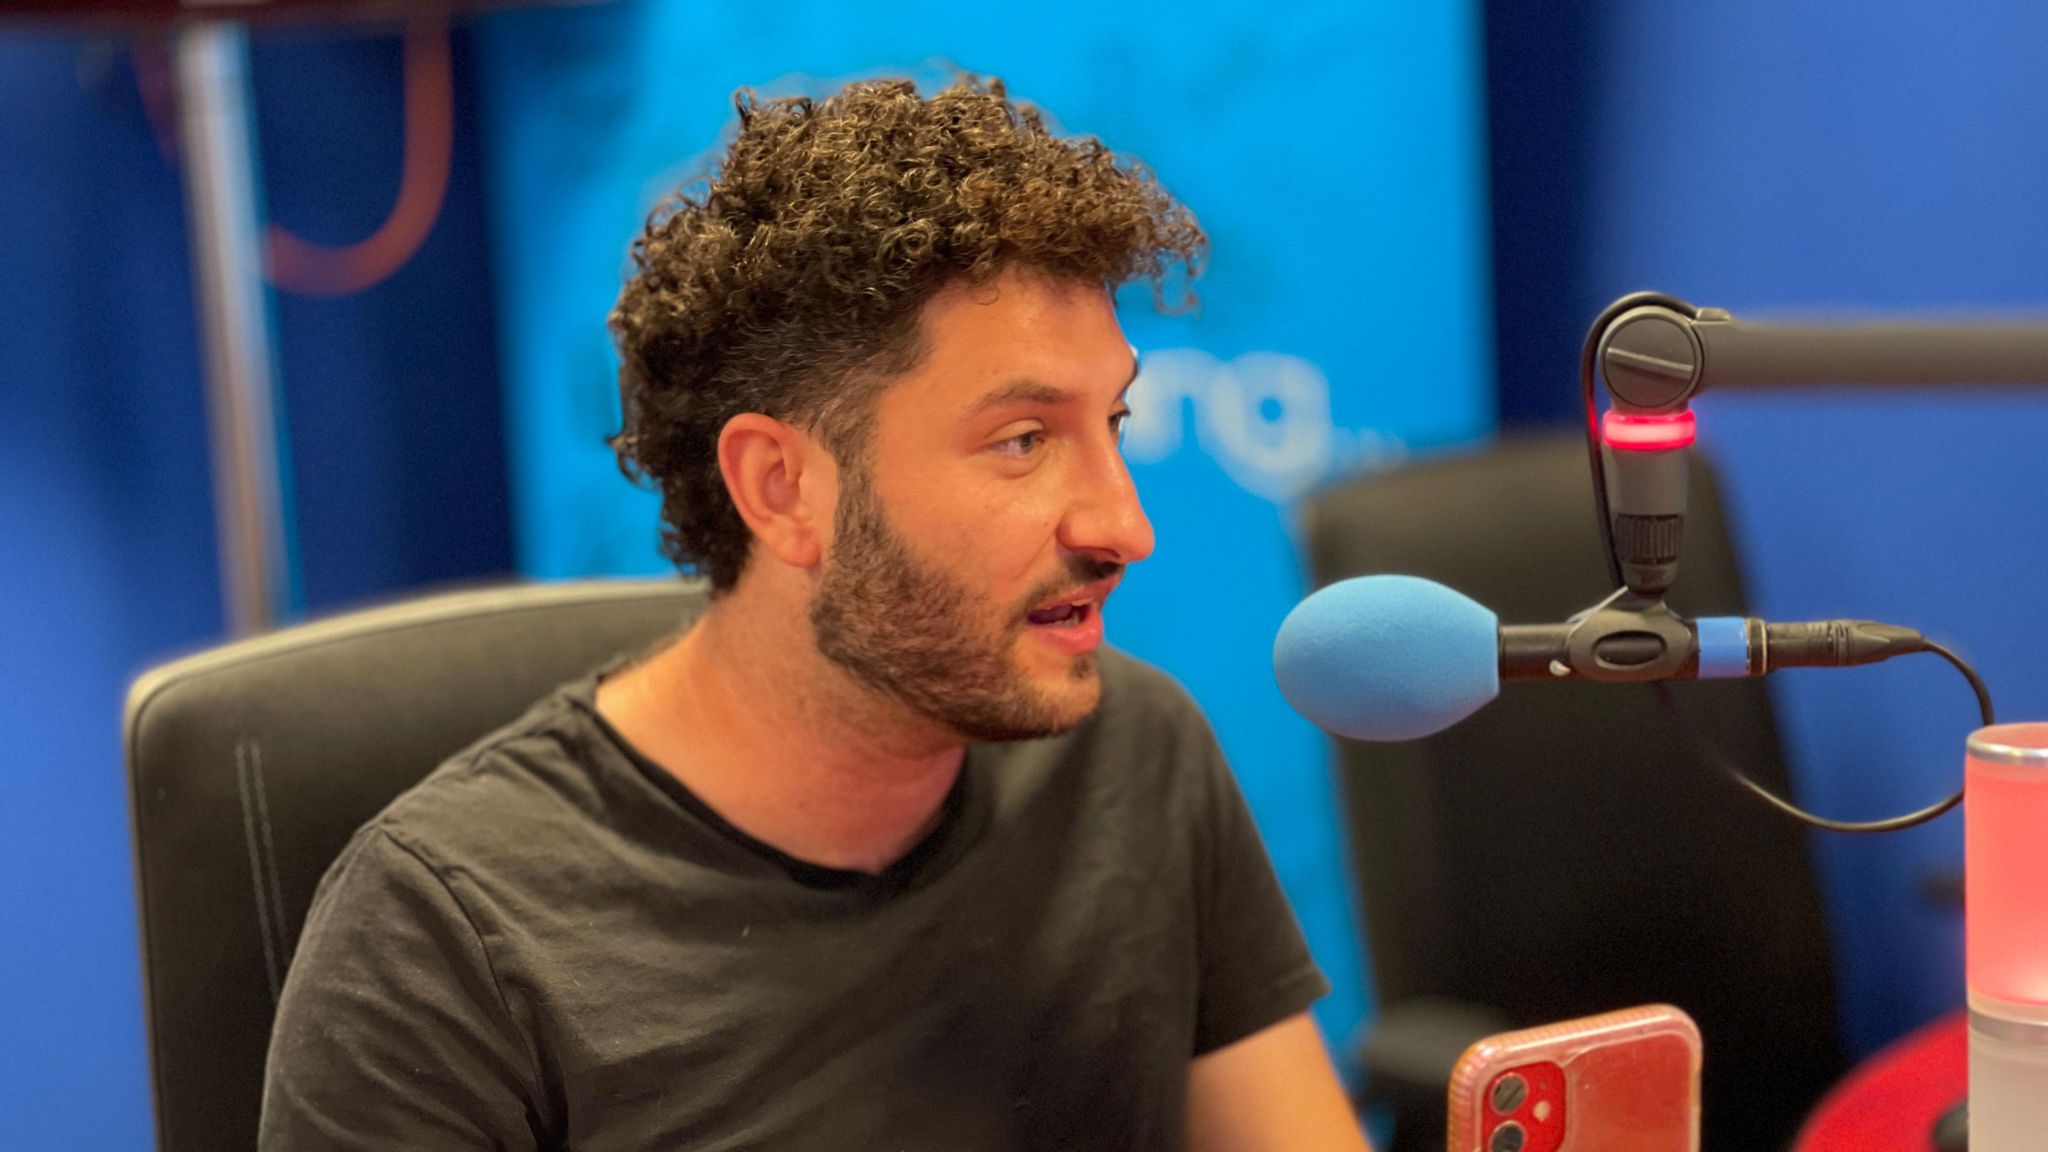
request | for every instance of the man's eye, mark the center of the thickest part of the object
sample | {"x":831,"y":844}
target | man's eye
{"x":1116,"y":425}
{"x":1022,"y":444}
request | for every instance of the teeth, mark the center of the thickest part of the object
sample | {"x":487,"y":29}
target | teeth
{"x":1058,"y":614}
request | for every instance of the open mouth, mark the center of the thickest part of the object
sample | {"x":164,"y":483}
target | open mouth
{"x":1067,"y":615}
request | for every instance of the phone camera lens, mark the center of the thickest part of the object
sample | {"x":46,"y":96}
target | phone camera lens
{"x":1509,"y":1092}
{"x":1509,"y":1137}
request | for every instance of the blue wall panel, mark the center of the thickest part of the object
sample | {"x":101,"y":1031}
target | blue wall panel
{"x":107,"y":554}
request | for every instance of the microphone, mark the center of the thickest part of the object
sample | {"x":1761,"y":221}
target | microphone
{"x":1388,"y":658}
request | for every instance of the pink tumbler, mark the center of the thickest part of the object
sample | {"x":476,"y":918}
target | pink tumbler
{"x":2005,"y":849}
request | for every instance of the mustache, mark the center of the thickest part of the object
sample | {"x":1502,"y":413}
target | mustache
{"x":1081,"y":571}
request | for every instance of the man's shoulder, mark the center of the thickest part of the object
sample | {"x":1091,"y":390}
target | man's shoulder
{"x":528,"y":782}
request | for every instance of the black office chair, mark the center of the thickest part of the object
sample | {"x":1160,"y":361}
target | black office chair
{"x":1555,"y":855}
{"x":250,"y":765}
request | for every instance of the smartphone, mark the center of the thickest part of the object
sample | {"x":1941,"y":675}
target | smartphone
{"x":1625,"y":1081}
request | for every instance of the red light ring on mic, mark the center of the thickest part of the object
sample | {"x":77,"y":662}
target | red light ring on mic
{"x":1648,"y":433}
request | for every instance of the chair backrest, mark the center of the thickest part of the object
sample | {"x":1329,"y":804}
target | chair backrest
{"x":250,"y":765}
{"x":1558,"y":853}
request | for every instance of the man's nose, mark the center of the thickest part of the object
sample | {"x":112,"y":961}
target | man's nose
{"x":1106,"y":521}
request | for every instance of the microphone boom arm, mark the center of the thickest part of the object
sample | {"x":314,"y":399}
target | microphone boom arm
{"x":1657,"y":357}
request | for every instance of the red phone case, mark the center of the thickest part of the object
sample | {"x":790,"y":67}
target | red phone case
{"x":1625,"y":1081}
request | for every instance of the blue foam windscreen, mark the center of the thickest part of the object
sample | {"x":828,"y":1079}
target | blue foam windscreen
{"x":1388,"y":657}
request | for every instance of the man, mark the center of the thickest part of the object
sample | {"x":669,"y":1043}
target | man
{"x":886,"y":851}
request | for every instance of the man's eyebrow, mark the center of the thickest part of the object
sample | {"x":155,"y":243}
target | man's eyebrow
{"x":1022,"y":391}
{"x":1026,"y":390}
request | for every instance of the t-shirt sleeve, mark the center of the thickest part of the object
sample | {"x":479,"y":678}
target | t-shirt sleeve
{"x":1255,"y":968}
{"x":391,"y":1031}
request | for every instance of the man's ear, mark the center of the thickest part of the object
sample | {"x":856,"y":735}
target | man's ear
{"x":784,"y":483}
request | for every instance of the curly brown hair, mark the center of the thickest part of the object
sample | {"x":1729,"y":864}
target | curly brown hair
{"x":791,"y":284}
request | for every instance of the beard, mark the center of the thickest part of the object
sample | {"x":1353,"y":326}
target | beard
{"x":906,"y":630}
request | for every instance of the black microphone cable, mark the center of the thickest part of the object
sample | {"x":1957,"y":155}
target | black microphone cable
{"x":1699,"y":746}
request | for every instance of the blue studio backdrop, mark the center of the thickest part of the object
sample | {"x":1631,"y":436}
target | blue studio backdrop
{"x":1334,"y":151}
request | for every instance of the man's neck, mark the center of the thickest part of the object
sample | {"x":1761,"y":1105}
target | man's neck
{"x":745,"y":713}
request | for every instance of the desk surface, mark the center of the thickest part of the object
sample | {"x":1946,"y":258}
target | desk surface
{"x":1890,"y":1103}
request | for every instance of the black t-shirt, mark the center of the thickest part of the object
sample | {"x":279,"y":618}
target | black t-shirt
{"x":550,"y":943}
